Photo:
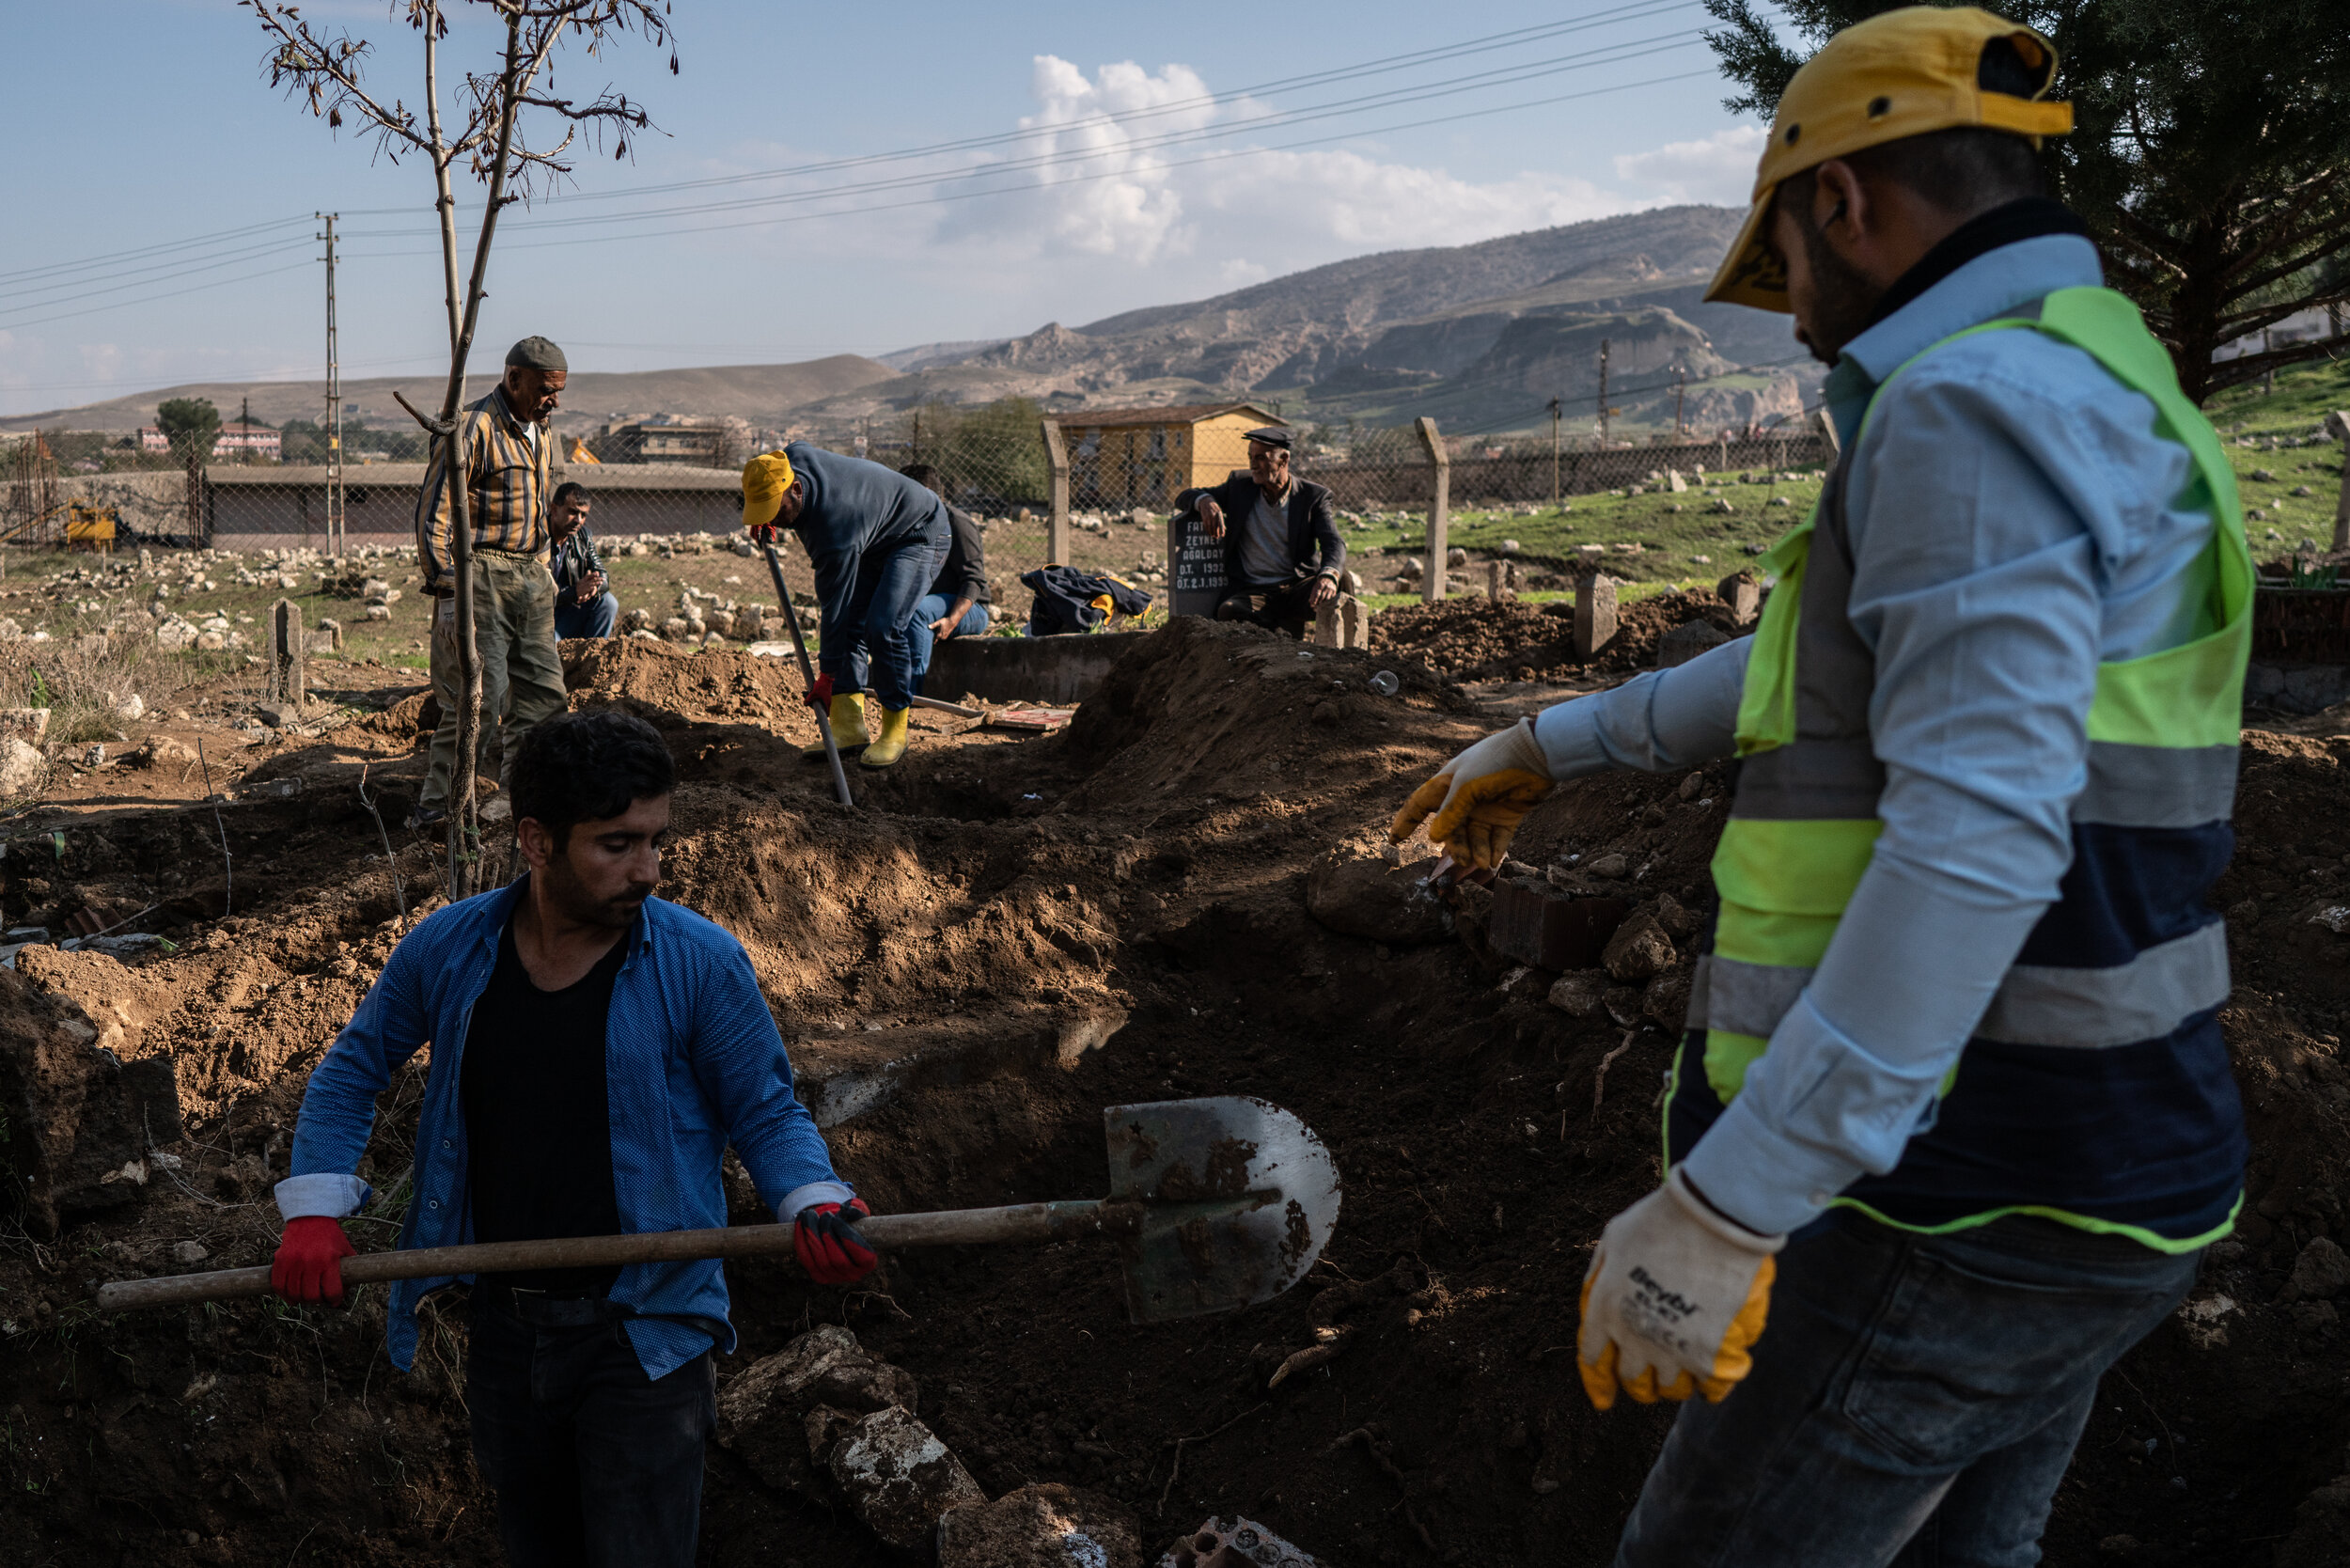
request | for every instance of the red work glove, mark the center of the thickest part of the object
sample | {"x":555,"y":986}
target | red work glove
{"x":825,"y":1239}
{"x":309,"y":1263}
{"x":820,"y":694}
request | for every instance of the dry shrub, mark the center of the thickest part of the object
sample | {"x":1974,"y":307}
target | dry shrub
{"x":80,"y":681}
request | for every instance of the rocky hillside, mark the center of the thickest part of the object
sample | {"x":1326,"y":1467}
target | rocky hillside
{"x":1481,"y":335}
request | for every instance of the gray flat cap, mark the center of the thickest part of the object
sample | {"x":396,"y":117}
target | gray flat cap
{"x":537,"y":354}
{"x":1272,"y":435}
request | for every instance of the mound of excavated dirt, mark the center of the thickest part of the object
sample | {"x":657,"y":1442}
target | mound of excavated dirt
{"x":1475,"y":638}
{"x":949,"y":962}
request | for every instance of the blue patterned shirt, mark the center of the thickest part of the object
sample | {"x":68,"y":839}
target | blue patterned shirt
{"x":692,"y":1062}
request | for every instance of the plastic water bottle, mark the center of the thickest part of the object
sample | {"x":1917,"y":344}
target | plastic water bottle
{"x":1385,"y":683}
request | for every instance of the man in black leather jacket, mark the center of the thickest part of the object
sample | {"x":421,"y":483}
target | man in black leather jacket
{"x":1274,"y":526}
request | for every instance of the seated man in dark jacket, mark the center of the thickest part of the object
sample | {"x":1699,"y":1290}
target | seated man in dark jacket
{"x":583,"y":606}
{"x":1277,"y":525}
{"x":956,"y":605}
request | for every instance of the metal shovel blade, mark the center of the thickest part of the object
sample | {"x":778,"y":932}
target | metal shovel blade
{"x":1237,"y":1197}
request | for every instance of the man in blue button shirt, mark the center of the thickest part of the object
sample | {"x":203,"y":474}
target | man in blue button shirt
{"x":595,"y":1050}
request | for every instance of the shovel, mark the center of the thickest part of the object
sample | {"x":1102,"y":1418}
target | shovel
{"x":807,"y":670}
{"x":1215,"y":1206}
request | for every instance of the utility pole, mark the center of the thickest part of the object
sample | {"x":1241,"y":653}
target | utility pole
{"x":244,"y":429}
{"x":1602,"y":393}
{"x":1681,"y":379}
{"x":334,"y":407}
{"x":1554,"y":454}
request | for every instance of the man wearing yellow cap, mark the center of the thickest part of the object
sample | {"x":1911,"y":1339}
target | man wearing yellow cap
{"x":876,"y":539}
{"x":1951,"y":1121}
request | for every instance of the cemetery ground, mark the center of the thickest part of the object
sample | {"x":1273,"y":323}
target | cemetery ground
{"x":1184,"y":892}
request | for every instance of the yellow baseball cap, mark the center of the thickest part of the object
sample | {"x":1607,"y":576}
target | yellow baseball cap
{"x":1900,"y":73}
{"x":765,"y":478}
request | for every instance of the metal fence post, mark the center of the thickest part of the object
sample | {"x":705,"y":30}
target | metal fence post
{"x":1439,"y":511}
{"x":1057,"y":530}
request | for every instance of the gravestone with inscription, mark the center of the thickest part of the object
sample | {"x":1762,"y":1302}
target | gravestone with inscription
{"x":1194,"y":567}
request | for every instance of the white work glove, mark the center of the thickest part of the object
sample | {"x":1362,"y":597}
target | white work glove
{"x":1479,"y":797}
{"x":1674,"y":1296}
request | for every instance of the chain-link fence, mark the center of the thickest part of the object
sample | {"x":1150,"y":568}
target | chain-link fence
{"x":1091,"y":488}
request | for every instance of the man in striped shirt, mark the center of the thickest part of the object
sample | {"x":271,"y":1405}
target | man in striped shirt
{"x":508,"y":448}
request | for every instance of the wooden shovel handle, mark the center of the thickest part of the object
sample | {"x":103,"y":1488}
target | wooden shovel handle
{"x":1022,"y":1222}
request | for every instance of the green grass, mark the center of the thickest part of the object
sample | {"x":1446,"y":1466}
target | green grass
{"x":2281,"y":519}
{"x":1678,"y":548}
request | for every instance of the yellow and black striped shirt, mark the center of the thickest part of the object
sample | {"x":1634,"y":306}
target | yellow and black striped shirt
{"x":505,"y":492}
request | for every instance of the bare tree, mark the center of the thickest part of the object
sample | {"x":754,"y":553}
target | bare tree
{"x":491,"y":141}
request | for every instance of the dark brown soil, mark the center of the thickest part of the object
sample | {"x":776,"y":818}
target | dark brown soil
{"x":1152,"y":858}
{"x":1475,"y":638}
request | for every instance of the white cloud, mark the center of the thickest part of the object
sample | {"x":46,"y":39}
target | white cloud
{"x":1132,"y":202}
{"x":1718,"y":168}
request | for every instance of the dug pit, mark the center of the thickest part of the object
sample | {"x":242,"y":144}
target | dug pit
{"x":1184,"y":893}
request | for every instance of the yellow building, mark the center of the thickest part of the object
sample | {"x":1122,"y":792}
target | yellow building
{"x":1142,"y":457}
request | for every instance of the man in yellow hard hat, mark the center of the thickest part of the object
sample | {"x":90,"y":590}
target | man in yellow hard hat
{"x":1951,"y":1122}
{"x":876,"y":539}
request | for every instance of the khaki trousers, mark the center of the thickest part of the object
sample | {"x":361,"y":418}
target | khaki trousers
{"x":522,"y":677}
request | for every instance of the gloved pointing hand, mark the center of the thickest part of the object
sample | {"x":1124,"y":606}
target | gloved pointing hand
{"x":1675,"y":1296}
{"x":1480,"y":798}
{"x":309,"y":1263}
{"x":825,"y":1239}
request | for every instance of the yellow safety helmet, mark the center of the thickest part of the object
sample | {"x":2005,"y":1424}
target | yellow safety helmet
{"x":1900,"y":73}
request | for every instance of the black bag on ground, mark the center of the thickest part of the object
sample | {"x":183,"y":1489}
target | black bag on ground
{"x":1069,"y":599}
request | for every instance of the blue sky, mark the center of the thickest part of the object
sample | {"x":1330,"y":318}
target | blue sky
{"x":1135,"y":175}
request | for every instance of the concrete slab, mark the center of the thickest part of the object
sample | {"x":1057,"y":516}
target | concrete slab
{"x":1037,"y":670}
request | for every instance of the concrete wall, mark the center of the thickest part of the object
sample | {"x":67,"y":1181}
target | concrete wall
{"x":1026,"y":670}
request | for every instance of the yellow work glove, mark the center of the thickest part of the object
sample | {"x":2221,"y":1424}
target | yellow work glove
{"x":1479,"y":797}
{"x":1675,"y":1297}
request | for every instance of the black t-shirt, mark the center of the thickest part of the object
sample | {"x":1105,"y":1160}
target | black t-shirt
{"x":537,"y":1117}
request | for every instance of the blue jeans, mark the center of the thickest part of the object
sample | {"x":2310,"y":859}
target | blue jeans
{"x":1914,"y":1399}
{"x":875,"y":649}
{"x":594,"y":1464}
{"x":595,"y":619}
{"x":920,"y":638}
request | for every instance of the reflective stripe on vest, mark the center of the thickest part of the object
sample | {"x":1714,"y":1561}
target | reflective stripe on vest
{"x":2122,"y":975}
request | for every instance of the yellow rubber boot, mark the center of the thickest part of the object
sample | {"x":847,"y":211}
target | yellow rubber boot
{"x":848,"y":726}
{"x":892,"y":742}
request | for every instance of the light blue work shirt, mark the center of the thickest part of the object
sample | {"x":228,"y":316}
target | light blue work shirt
{"x":2014,"y":520}
{"x":692,"y":1063}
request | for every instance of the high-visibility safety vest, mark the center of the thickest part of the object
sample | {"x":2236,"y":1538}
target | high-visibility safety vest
{"x":2095,"y":1090}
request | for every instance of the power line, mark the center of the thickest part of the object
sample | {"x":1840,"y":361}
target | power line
{"x":169,"y":272}
{"x":168,"y":262}
{"x":216,"y":283}
{"x":1636,"y":13}
{"x":1075,"y":179}
{"x":193,"y":242}
{"x":1622,"y":53}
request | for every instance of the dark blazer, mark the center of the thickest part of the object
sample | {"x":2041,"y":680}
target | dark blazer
{"x":1312,"y":524}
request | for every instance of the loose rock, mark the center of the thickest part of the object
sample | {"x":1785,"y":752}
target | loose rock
{"x":763,"y":1414}
{"x":1580,"y":995}
{"x":1639,"y":950}
{"x":2321,"y":1272}
{"x":1046,"y":1525}
{"x":899,"y":1478}
{"x":1370,"y":898}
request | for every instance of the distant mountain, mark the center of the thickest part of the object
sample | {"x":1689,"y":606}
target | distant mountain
{"x":1481,"y":335}
{"x":764,"y":394}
